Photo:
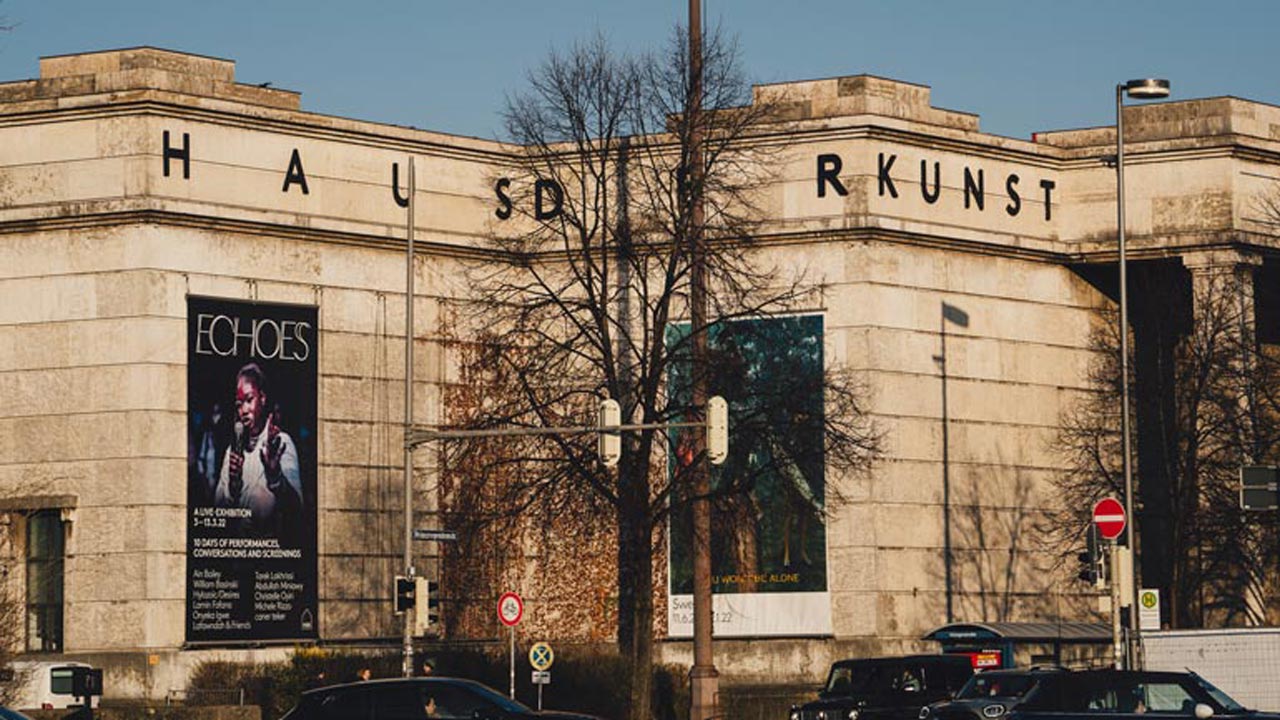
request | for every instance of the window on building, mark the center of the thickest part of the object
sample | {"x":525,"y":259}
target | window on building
{"x":45,"y":551}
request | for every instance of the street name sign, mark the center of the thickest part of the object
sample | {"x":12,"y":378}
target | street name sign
{"x":1108,"y":515}
{"x":437,"y":535}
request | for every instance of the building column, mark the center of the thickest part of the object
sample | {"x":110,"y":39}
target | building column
{"x":1225,"y":315}
{"x":1222,"y":291}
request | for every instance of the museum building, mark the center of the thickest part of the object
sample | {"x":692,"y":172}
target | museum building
{"x":202,"y":321}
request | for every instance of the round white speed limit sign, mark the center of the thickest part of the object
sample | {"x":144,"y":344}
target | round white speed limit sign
{"x":510,"y":609}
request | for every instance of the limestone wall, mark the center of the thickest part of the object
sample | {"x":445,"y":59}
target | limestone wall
{"x":100,"y":246}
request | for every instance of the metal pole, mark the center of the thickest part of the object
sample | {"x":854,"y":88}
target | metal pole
{"x":704,"y":679}
{"x":946,"y":475}
{"x":1117,"y":643}
{"x":513,"y":662}
{"x":407,"y":664}
{"x":1125,"y":430}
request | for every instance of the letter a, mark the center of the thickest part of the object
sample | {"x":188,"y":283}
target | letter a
{"x":295,"y":174}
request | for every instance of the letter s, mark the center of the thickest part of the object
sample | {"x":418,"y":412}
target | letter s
{"x":504,"y":201}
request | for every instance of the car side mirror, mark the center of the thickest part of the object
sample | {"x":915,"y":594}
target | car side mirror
{"x":1203,"y":712}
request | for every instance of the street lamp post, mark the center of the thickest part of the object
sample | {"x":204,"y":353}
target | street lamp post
{"x":1142,"y":89}
{"x":406,"y":665}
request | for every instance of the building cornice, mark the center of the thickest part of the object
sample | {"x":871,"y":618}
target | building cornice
{"x":215,"y":223}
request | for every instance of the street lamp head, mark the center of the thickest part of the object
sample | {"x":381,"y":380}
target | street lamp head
{"x":1147,"y":88}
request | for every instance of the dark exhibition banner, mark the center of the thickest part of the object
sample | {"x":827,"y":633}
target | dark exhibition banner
{"x":769,"y":544}
{"x":251,"y":471}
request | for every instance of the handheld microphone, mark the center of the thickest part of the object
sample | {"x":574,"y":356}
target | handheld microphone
{"x":235,"y":481}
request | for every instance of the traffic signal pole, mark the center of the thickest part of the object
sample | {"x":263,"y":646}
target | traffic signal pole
{"x":407,"y":661}
{"x":703,"y":676}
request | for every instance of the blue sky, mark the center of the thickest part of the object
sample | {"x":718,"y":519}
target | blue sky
{"x":1022,"y":65}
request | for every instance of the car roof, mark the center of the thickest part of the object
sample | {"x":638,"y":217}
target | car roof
{"x":1017,"y":672}
{"x":948,"y":659}
{"x":1132,"y":674}
{"x":1119,"y":677}
{"x":391,"y":682}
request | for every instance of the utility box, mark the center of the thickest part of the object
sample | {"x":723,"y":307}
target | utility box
{"x":79,"y":681}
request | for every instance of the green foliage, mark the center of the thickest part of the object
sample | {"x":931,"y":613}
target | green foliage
{"x":590,"y":682}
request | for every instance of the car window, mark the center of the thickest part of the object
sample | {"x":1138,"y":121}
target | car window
{"x":841,"y":681}
{"x":907,"y":679}
{"x":453,"y":701}
{"x":992,"y":685}
{"x":847,"y":679}
{"x":399,"y":702}
{"x":347,"y":704}
{"x":958,"y":675}
{"x":484,"y":693}
{"x":1169,"y":697}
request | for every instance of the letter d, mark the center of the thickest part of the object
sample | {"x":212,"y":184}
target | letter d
{"x":557,"y":197}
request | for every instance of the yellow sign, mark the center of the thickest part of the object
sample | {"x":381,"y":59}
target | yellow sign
{"x":1149,"y":609}
{"x":541,"y":656}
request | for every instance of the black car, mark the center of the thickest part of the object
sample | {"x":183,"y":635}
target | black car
{"x":1138,"y":695}
{"x":886,"y":688}
{"x":415,"y":699}
{"x":989,"y":695}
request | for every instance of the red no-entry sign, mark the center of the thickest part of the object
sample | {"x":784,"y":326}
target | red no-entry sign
{"x":1108,"y":515}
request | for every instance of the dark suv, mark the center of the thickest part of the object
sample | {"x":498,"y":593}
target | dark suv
{"x":415,"y":699}
{"x":1138,"y":695}
{"x":886,"y":688}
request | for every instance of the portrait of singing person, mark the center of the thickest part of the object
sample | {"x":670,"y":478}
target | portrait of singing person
{"x":260,"y":470}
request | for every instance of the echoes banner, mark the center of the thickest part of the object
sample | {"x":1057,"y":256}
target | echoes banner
{"x":251,"y":471}
{"x":769,"y":542}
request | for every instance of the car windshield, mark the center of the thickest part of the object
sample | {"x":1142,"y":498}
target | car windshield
{"x":502,"y":701}
{"x":995,"y":685}
{"x":855,"y":679}
{"x":1222,"y":698}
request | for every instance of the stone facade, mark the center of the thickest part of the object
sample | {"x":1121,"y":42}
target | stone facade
{"x":131,"y":179}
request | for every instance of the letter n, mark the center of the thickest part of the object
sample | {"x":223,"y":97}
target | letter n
{"x":974,"y":189}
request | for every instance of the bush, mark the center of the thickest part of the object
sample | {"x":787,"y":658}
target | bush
{"x":587,"y":681}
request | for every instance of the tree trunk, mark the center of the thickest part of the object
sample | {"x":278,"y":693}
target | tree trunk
{"x":641,"y":659}
{"x":635,"y":577}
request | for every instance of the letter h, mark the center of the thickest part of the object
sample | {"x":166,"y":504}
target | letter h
{"x":171,"y":153}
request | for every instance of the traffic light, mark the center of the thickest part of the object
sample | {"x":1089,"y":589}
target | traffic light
{"x":404,"y":594}
{"x":1093,"y":564}
{"x":610,"y":442}
{"x":426,"y":609}
{"x":717,"y":430}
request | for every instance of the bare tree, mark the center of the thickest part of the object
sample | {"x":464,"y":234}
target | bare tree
{"x":594,"y":302}
{"x":1205,"y":405}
